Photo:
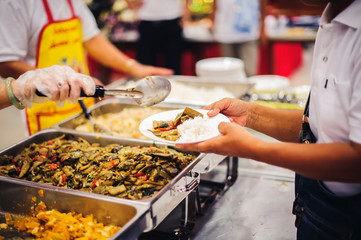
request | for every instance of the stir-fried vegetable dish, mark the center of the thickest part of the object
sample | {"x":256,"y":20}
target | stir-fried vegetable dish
{"x":122,"y":171}
{"x":52,"y":224}
{"x":168,"y":129}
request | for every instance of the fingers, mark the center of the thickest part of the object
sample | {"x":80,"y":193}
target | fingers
{"x":80,"y":82}
{"x":225,"y":128}
{"x":218,"y":106}
{"x":213,"y":112}
{"x":196,"y":147}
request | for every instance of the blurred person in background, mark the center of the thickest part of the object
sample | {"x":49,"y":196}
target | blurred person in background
{"x":57,"y":83}
{"x":236,"y":25}
{"x":160,"y":31}
{"x":42,"y":33}
{"x":328,"y":162}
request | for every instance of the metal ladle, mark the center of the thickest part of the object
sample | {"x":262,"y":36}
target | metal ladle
{"x":148,"y":91}
{"x":154,"y":88}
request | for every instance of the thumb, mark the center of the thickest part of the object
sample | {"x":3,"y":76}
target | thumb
{"x":225,"y":128}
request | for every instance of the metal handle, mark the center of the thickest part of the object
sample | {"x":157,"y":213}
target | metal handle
{"x":99,"y":92}
{"x":85,"y":109}
{"x":190,"y":186}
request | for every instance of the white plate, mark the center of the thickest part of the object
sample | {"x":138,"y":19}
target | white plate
{"x":147,"y":124}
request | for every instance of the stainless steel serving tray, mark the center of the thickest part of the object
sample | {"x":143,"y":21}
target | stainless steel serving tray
{"x":17,"y":198}
{"x":114,"y":105}
{"x":159,"y":206}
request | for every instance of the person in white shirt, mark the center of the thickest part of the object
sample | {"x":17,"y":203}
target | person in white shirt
{"x":41,"y":33}
{"x":328,"y":179}
{"x":23,"y":20}
{"x":160,"y":32}
{"x":237,"y":28}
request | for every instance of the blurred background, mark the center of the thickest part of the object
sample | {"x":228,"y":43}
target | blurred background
{"x":275,"y":37}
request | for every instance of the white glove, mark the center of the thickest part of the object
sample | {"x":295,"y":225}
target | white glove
{"x":58,"y":83}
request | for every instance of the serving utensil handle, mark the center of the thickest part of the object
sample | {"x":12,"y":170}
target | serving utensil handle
{"x":99,"y":92}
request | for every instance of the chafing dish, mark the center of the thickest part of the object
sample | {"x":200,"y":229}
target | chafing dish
{"x":158,"y":206}
{"x":209,"y":162}
{"x":17,"y":198}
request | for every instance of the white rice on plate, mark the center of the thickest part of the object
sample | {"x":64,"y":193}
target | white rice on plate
{"x":196,"y":130}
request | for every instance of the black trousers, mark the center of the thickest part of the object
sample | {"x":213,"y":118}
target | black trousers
{"x":161,"y":38}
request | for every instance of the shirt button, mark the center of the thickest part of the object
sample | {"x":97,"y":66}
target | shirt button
{"x":325,"y":59}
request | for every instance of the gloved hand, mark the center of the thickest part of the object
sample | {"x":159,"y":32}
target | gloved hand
{"x":58,"y":83}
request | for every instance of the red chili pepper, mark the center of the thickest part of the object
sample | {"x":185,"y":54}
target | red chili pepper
{"x":53,"y":166}
{"x":64,"y":180}
{"x":111,"y":160}
{"x":50,"y":142}
{"x":17,"y":169}
{"x":94,"y":183}
{"x":35,"y":158}
{"x":171,"y":126}
{"x":54,"y":157}
{"x":139,"y":174}
{"x":143,"y":178}
{"x":44,"y":154}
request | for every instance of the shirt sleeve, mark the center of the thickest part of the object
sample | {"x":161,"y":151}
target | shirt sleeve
{"x":14,"y":31}
{"x":89,"y":26}
{"x":355,"y":108}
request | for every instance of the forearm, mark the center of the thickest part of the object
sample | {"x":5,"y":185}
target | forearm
{"x":4,"y":99}
{"x":280,"y":124}
{"x":14,"y":68}
{"x":331,"y":161}
{"x":106,"y":53}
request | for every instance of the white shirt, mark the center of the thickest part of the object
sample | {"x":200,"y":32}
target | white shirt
{"x":335,"y":104}
{"x":237,"y":21}
{"x":155,"y":10}
{"x":22,"y":21}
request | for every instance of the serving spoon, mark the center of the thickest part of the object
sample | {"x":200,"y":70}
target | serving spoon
{"x":148,"y":91}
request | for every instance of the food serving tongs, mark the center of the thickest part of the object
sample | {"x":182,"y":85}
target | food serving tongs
{"x":96,"y":127}
{"x":148,"y":91}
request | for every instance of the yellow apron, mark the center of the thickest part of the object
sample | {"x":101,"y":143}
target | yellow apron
{"x":60,"y":43}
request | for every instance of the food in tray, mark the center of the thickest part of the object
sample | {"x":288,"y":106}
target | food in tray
{"x":168,"y":129}
{"x":122,"y":171}
{"x":124,"y":123}
{"x":52,"y":224}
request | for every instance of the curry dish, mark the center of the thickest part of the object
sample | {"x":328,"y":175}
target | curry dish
{"x":52,"y":224}
{"x":122,"y":171}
